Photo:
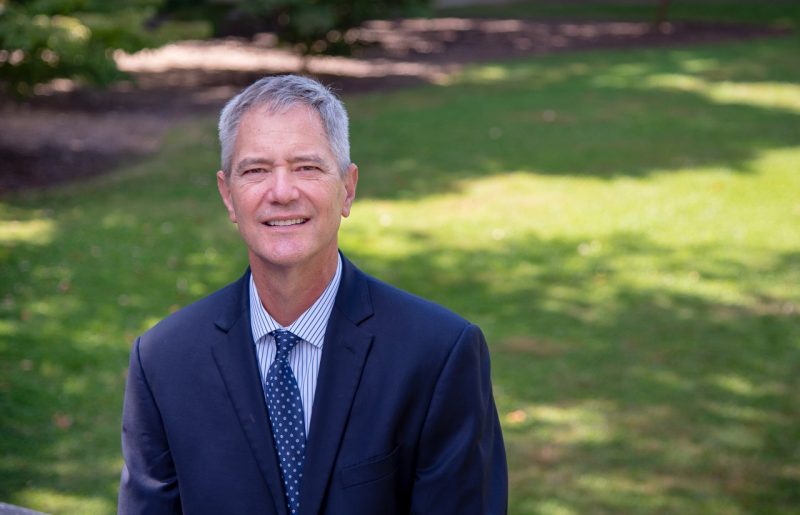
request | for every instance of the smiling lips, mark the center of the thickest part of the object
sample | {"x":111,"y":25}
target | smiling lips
{"x":284,"y":223}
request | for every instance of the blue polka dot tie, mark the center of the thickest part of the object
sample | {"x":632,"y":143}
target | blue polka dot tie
{"x":286,"y":417}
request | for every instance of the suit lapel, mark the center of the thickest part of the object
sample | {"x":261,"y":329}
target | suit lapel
{"x":236,"y":360}
{"x":343,"y":356}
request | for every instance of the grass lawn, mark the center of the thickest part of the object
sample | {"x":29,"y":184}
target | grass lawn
{"x":625,"y":226}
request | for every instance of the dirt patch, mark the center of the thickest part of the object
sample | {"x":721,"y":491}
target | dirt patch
{"x":68,"y":133}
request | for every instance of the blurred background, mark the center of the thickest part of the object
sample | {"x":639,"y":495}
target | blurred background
{"x":609,"y":188}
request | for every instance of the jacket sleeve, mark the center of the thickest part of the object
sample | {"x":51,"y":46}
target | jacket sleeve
{"x":461,"y":466}
{"x":149,"y":483}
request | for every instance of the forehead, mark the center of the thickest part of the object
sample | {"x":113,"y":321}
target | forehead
{"x":295,"y":117}
{"x":297,"y":128}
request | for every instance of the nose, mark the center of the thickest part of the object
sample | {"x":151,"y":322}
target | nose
{"x":283,"y":189}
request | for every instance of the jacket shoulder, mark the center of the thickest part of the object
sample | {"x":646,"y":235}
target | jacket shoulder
{"x":390,"y":302}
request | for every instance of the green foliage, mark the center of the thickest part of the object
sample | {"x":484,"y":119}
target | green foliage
{"x":47,"y":39}
{"x":305,"y":21}
{"x":317,"y":26}
{"x":624,"y":226}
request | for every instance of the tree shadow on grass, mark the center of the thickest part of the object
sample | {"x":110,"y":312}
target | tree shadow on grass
{"x":677,"y":398}
{"x":599,"y":115}
{"x":624,"y":397}
{"x":71,"y":304}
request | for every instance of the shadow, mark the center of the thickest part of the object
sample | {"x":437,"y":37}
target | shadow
{"x":619,"y":390}
{"x":622,"y":397}
{"x":593,"y":115}
{"x":78,"y":282}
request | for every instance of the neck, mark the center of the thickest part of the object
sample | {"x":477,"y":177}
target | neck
{"x":287,"y":292}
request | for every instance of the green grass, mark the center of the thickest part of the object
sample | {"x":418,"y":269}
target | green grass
{"x":779,"y":13}
{"x":625,"y":226}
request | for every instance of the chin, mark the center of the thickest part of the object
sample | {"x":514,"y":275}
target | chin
{"x":282,"y":258}
{"x":285,"y":254}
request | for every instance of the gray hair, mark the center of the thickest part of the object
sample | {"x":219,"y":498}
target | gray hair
{"x":279,"y":93}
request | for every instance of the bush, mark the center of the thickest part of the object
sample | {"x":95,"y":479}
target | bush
{"x":317,"y":26}
{"x":312,"y":26}
{"x":47,"y":39}
{"x":41,"y":40}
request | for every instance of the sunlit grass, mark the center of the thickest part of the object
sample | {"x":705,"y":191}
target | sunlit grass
{"x":51,"y":501}
{"x":625,"y":227}
{"x":775,"y":95}
{"x":26,"y":231}
{"x":680,"y":215}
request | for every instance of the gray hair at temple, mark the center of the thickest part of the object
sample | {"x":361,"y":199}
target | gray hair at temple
{"x":279,"y":93}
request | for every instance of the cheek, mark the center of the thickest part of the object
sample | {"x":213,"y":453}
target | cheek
{"x":247,"y":200}
{"x":328,"y":198}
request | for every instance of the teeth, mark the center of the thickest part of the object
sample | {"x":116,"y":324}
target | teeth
{"x":294,"y":221}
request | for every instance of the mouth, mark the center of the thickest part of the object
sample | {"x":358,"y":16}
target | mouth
{"x":286,"y":223}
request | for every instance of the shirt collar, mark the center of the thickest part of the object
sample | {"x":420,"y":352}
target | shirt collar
{"x":310,"y":326}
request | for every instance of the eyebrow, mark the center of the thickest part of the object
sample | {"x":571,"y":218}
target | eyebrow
{"x":250,"y":161}
{"x":311,"y":158}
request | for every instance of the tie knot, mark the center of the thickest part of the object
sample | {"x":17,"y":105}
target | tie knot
{"x":285,"y":342}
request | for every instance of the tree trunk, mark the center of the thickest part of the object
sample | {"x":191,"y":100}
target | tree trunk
{"x":662,"y":15}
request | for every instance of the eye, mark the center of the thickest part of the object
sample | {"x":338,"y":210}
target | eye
{"x":308,"y":168}
{"x":254,"y":170}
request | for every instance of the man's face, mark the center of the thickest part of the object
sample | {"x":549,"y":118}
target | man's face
{"x":285,"y":191}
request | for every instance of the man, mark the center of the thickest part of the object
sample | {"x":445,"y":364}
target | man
{"x":306,"y":387}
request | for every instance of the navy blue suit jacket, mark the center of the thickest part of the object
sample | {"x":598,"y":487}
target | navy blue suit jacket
{"x":403,"y":421}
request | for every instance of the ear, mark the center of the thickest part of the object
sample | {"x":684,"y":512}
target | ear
{"x":225,"y":193}
{"x":350,"y":181}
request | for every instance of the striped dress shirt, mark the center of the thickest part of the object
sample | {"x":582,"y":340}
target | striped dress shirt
{"x":305,"y":357}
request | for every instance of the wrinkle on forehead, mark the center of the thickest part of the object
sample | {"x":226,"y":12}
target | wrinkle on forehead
{"x":281,"y":108}
{"x":267,"y":110}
